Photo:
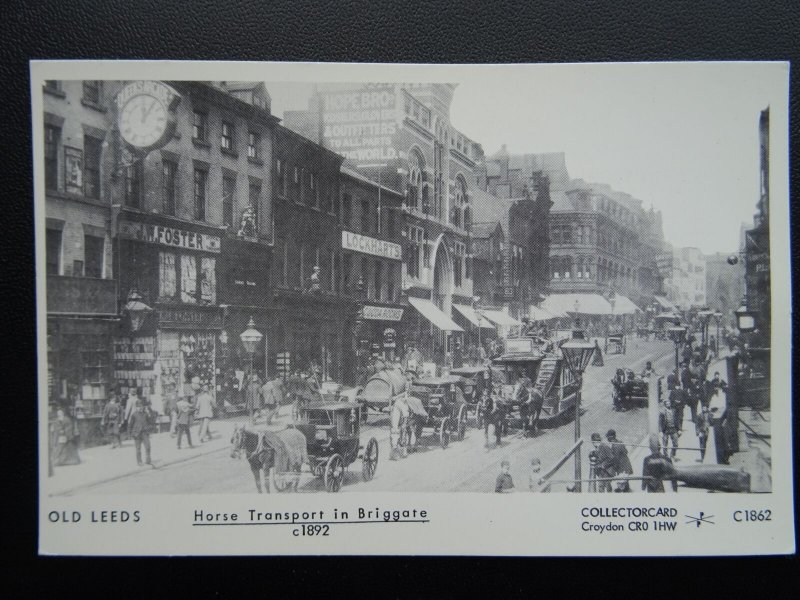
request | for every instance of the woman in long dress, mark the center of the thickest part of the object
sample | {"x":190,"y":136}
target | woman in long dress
{"x":66,"y":441}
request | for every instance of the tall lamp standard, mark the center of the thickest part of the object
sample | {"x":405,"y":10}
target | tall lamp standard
{"x":577,"y":353}
{"x":250,"y":338}
{"x":718,"y":319}
{"x":476,"y":309}
{"x":677,"y":333}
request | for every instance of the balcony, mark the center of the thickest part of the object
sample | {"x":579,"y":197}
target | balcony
{"x":81,"y":295}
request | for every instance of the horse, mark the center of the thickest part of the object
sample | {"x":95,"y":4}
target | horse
{"x":530,"y":411}
{"x":260,"y":457}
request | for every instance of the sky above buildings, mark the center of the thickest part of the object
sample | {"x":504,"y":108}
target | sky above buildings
{"x":682,"y":137}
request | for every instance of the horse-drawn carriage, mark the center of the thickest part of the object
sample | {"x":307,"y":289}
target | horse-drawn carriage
{"x":443,"y":400}
{"x":381,"y":390}
{"x":615,"y":343}
{"x":628,"y":390}
{"x":325,"y":437}
{"x":475,"y":381}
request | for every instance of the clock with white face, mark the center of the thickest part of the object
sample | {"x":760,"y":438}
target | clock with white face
{"x":143,"y":121}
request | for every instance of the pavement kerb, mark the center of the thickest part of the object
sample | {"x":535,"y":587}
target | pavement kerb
{"x":137,"y":470}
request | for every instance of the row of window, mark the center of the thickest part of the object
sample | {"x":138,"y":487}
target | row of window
{"x":90,"y":266}
{"x":228,"y":141}
{"x":418,"y":255}
{"x":339,"y":271}
{"x":565,"y":267}
{"x":81,"y":167}
{"x":187,"y":278}
{"x":304,"y":186}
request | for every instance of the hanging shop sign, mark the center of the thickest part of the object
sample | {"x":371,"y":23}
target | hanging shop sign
{"x":382,"y":313}
{"x":189,"y":318}
{"x":174,"y":237}
{"x":369,"y":245}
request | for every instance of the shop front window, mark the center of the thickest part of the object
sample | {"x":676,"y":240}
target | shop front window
{"x":208,"y":280}
{"x":167,"y":272}
{"x":189,"y":279}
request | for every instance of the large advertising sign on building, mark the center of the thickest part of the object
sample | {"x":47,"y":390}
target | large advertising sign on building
{"x":360,"y":124}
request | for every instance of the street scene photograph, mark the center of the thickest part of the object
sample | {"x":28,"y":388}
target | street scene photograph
{"x":558,"y":284}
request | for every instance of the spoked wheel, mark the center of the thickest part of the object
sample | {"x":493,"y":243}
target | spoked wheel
{"x":334,"y":473}
{"x":444,"y":432}
{"x":462,"y":422}
{"x":369,"y":462}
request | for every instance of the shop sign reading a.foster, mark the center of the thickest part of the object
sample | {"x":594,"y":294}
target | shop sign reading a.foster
{"x":368,"y":245}
{"x":170,"y":236}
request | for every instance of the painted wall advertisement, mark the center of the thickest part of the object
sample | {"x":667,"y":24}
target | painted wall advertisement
{"x":360,"y":124}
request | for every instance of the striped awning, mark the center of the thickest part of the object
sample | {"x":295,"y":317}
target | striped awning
{"x":431,"y":312}
{"x":473,"y":317}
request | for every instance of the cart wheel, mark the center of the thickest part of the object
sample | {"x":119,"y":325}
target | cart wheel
{"x":462,"y":422}
{"x":334,"y":473}
{"x":369,"y":462}
{"x":444,"y":432}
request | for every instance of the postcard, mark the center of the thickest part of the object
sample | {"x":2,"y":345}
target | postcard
{"x":394,"y":309}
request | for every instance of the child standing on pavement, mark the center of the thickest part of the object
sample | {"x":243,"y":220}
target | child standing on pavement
{"x":504,"y":483}
{"x":185,"y":410}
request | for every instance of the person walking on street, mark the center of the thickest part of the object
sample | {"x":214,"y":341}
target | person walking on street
{"x":204,"y":407}
{"x":677,"y":397}
{"x":130,"y":408}
{"x":171,"y":409}
{"x":112,"y":420}
{"x":603,"y":463}
{"x":702,"y":426}
{"x":621,"y":462}
{"x":66,"y":440}
{"x":139,"y":430}
{"x":667,"y":421}
{"x":271,"y":397}
{"x":504,"y":483}
{"x":648,"y":370}
{"x":655,"y":468}
{"x":185,"y":410}
{"x":252,"y":399}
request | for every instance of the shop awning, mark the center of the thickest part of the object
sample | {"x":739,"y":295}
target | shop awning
{"x":540,"y":314}
{"x":585,"y":304}
{"x":431,"y":312}
{"x":624,"y":305}
{"x":664,"y":303}
{"x":473,"y":317}
{"x":500,"y":318}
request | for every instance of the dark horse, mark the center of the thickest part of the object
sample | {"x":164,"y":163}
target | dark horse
{"x":260,"y":456}
{"x":530,"y":410}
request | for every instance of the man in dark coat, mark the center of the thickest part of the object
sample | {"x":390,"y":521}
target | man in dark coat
{"x":139,"y":430}
{"x":655,"y":468}
{"x":112,"y":420}
{"x":603,"y":463}
{"x":620,"y":460}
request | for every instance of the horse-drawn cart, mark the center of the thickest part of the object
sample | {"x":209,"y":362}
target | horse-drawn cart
{"x":615,"y":343}
{"x":326,"y":438}
{"x":443,"y":400}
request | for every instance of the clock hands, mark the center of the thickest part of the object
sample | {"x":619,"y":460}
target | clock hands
{"x":149,"y":108}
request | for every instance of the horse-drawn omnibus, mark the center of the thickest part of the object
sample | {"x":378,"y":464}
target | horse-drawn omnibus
{"x":546,"y":369}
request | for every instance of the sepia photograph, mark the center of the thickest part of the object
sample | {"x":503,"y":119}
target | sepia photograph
{"x":551,"y":280}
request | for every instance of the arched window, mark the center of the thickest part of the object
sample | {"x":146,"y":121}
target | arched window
{"x":459,"y":203}
{"x":579,"y":268}
{"x":416,"y":168}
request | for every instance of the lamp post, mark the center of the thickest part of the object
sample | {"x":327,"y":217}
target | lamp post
{"x":677,"y":333}
{"x":250,"y":338}
{"x":577,"y":353}
{"x":476,"y":308}
{"x":137,"y":310}
{"x":360,"y":288}
{"x":718,"y":318}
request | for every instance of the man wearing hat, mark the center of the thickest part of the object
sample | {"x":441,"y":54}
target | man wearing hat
{"x":621,"y":462}
{"x":603,"y":461}
{"x":139,"y":430}
{"x":655,"y":468}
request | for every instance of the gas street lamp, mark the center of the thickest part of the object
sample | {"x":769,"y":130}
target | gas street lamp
{"x":745,"y":318}
{"x":718,"y":318}
{"x":577,"y":353}
{"x":677,"y":333}
{"x":250,"y":339}
{"x":137,"y":310}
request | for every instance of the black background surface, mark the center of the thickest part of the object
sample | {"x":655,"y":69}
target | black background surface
{"x":377,"y":31}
